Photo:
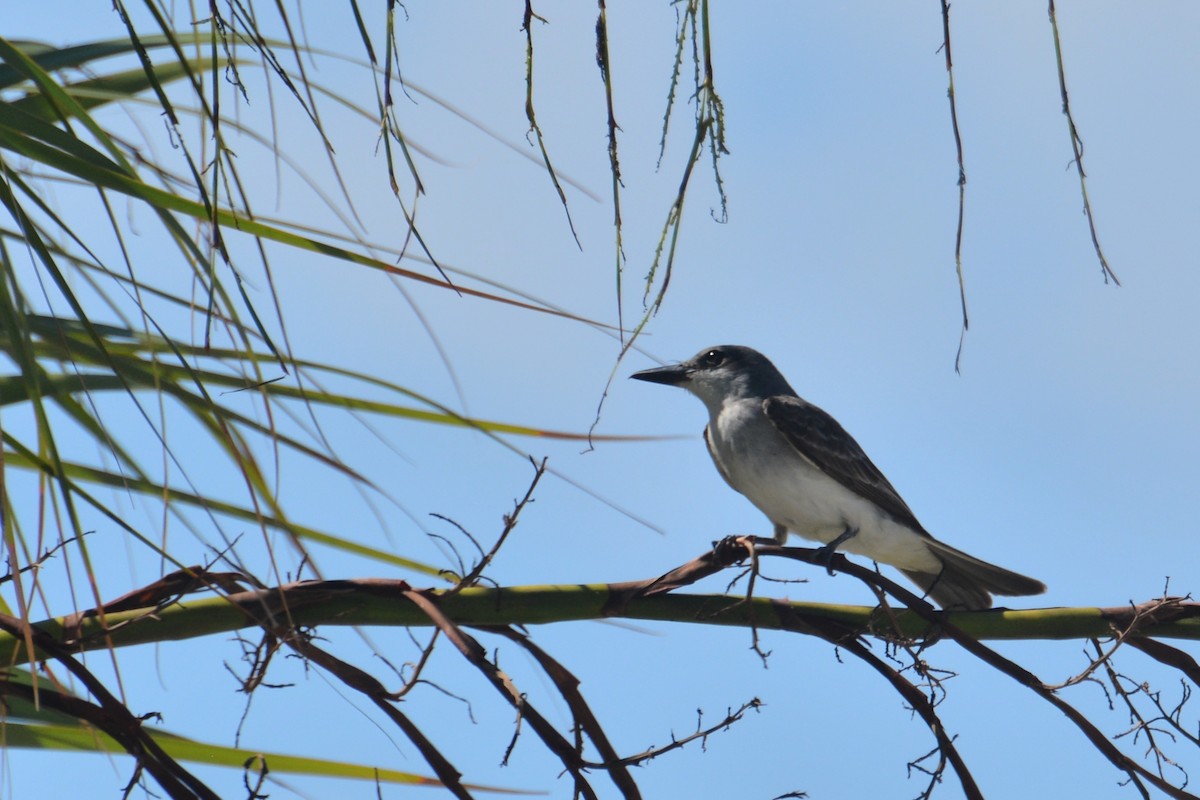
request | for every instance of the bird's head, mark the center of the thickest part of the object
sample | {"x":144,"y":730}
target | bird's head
{"x":720,"y":374}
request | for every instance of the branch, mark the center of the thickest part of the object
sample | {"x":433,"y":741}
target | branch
{"x":376,"y":601}
{"x":392,"y":602}
{"x":475,"y":654}
{"x":700,"y":734}
{"x":962,"y":180}
{"x":941,"y":622}
{"x":368,"y":685}
{"x":568,"y":686}
{"x":1077,"y":149}
{"x":109,"y":715}
{"x":510,"y":521}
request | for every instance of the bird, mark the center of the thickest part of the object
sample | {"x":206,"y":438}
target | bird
{"x":801,"y":468}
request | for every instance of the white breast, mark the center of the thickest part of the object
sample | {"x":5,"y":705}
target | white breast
{"x":758,"y":462}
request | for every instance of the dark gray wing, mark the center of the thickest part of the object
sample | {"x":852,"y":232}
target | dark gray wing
{"x":819,"y":438}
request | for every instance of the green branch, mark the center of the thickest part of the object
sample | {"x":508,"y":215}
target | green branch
{"x":380,"y":602}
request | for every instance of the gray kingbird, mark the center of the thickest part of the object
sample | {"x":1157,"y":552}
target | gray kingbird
{"x":800,"y":468}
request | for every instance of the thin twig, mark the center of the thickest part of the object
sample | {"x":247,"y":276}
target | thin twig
{"x":585,"y":720}
{"x":700,"y":734}
{"x":368,"y":685}
{"x":1171,"y":656}
{"x":1136,"y":772}
{"x":1140,"y":614}
{"x":614,"y":162}
{"x":476,"y":656}
{"x":108,"y":714}
{"x":1077,"y":149}
{"x":510,"y":522}
{"x":1139,"y":725}
{"x":962,"y":181}
{"x":38,"y":562}
{"x":531,"y":115}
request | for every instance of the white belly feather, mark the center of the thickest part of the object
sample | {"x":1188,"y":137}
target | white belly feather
{"x":793,"y":493}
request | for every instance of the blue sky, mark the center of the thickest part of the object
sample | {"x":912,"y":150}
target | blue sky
{"x":1064,"y":449}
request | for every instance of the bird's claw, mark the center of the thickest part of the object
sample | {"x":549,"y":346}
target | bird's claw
{"x":729,"y":550}
{"x":824,"y":554}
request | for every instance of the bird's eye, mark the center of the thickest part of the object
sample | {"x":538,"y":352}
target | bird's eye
{"x":712,"y":358}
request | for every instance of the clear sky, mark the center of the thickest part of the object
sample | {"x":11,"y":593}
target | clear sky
{"x":1064,"y":449}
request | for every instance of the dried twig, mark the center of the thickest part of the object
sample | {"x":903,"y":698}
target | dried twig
{"x":475,"y":654}
{"x":962,"y":180}
{"x":585,"y":721}
{"x":1127,"y":689}
{"x":1077,"y":149}
{"x":1138,"y":774}
{"x":510,"y":522}
{"x":531,"y":115}
{"x":46,"y":555}
{"x":363,"y":682}
{"x":108,"y":714}
{"x":1171,"y":656}
{"x":935,"y":773}
{"x":614,"y":162}
{"x":700,"y":734}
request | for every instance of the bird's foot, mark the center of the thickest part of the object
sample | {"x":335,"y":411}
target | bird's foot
{"x":730,"y":550}
{"x":825,"y":552}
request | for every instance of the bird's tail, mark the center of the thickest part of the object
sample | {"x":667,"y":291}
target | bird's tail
{"x":968,"y":583}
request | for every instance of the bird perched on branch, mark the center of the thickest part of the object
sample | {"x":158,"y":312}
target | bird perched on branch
{"x":800,"y":468}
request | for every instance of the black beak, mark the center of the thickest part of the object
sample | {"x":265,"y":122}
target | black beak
{"x":671,"y":376}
